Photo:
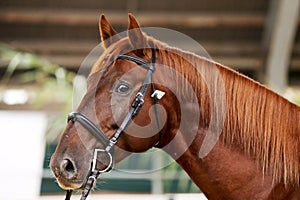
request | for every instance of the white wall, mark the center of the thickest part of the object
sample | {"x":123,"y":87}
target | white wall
{"x":22,"y":149}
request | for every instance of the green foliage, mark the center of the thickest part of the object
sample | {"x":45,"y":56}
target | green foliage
{"x":55,"y":82}
{"x":45,"y":82}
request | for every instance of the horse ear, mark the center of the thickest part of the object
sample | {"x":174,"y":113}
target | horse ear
{"x":107,"y":32}
{"x":135,"y":35}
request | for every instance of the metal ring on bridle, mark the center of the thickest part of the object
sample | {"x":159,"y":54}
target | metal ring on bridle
{"x":94,"y":164}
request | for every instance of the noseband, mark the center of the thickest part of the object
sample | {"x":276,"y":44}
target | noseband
{"x":107,"y":143}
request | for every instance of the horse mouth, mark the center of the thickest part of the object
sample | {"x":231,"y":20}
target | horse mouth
{"x":70,"y":184}
{"x":73,"y":184}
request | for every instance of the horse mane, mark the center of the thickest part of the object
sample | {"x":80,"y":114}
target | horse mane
{"x":264,"y":125}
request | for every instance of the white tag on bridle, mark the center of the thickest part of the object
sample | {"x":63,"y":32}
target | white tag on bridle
{"x":158,"y":94}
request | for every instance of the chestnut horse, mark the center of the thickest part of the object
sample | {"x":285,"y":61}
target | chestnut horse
{"x":235,"y":138}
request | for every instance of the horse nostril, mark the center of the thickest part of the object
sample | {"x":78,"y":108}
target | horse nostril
{"x":68,"y":168}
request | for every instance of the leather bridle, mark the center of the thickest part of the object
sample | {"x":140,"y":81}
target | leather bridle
{"x":107,"y":143}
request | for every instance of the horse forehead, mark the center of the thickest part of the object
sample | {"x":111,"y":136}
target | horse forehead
{"x":124,"y":70}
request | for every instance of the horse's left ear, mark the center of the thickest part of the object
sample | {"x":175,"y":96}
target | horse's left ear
{"x":136,"y":37}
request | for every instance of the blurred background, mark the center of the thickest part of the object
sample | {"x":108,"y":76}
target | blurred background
{"x":42,"y":46}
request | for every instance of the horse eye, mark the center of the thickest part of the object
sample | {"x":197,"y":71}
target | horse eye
{"x":122,"y":88}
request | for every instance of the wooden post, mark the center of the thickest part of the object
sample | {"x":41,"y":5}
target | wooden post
{"x":282,"y":36}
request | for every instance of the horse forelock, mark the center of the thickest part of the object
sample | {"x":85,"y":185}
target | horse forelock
{"x":108,"y":55}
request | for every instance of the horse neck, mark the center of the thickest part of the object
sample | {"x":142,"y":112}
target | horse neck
{"x":252,"y":146}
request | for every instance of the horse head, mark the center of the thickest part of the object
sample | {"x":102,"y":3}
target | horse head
{"x":123,"y":77}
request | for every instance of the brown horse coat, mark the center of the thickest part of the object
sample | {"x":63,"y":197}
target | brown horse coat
{"x":256,"y":155}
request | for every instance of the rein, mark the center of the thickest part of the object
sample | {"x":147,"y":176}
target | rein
{"x":99,"y":134}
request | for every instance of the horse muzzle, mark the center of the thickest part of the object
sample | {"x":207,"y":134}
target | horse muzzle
{"x":67,"y":174}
